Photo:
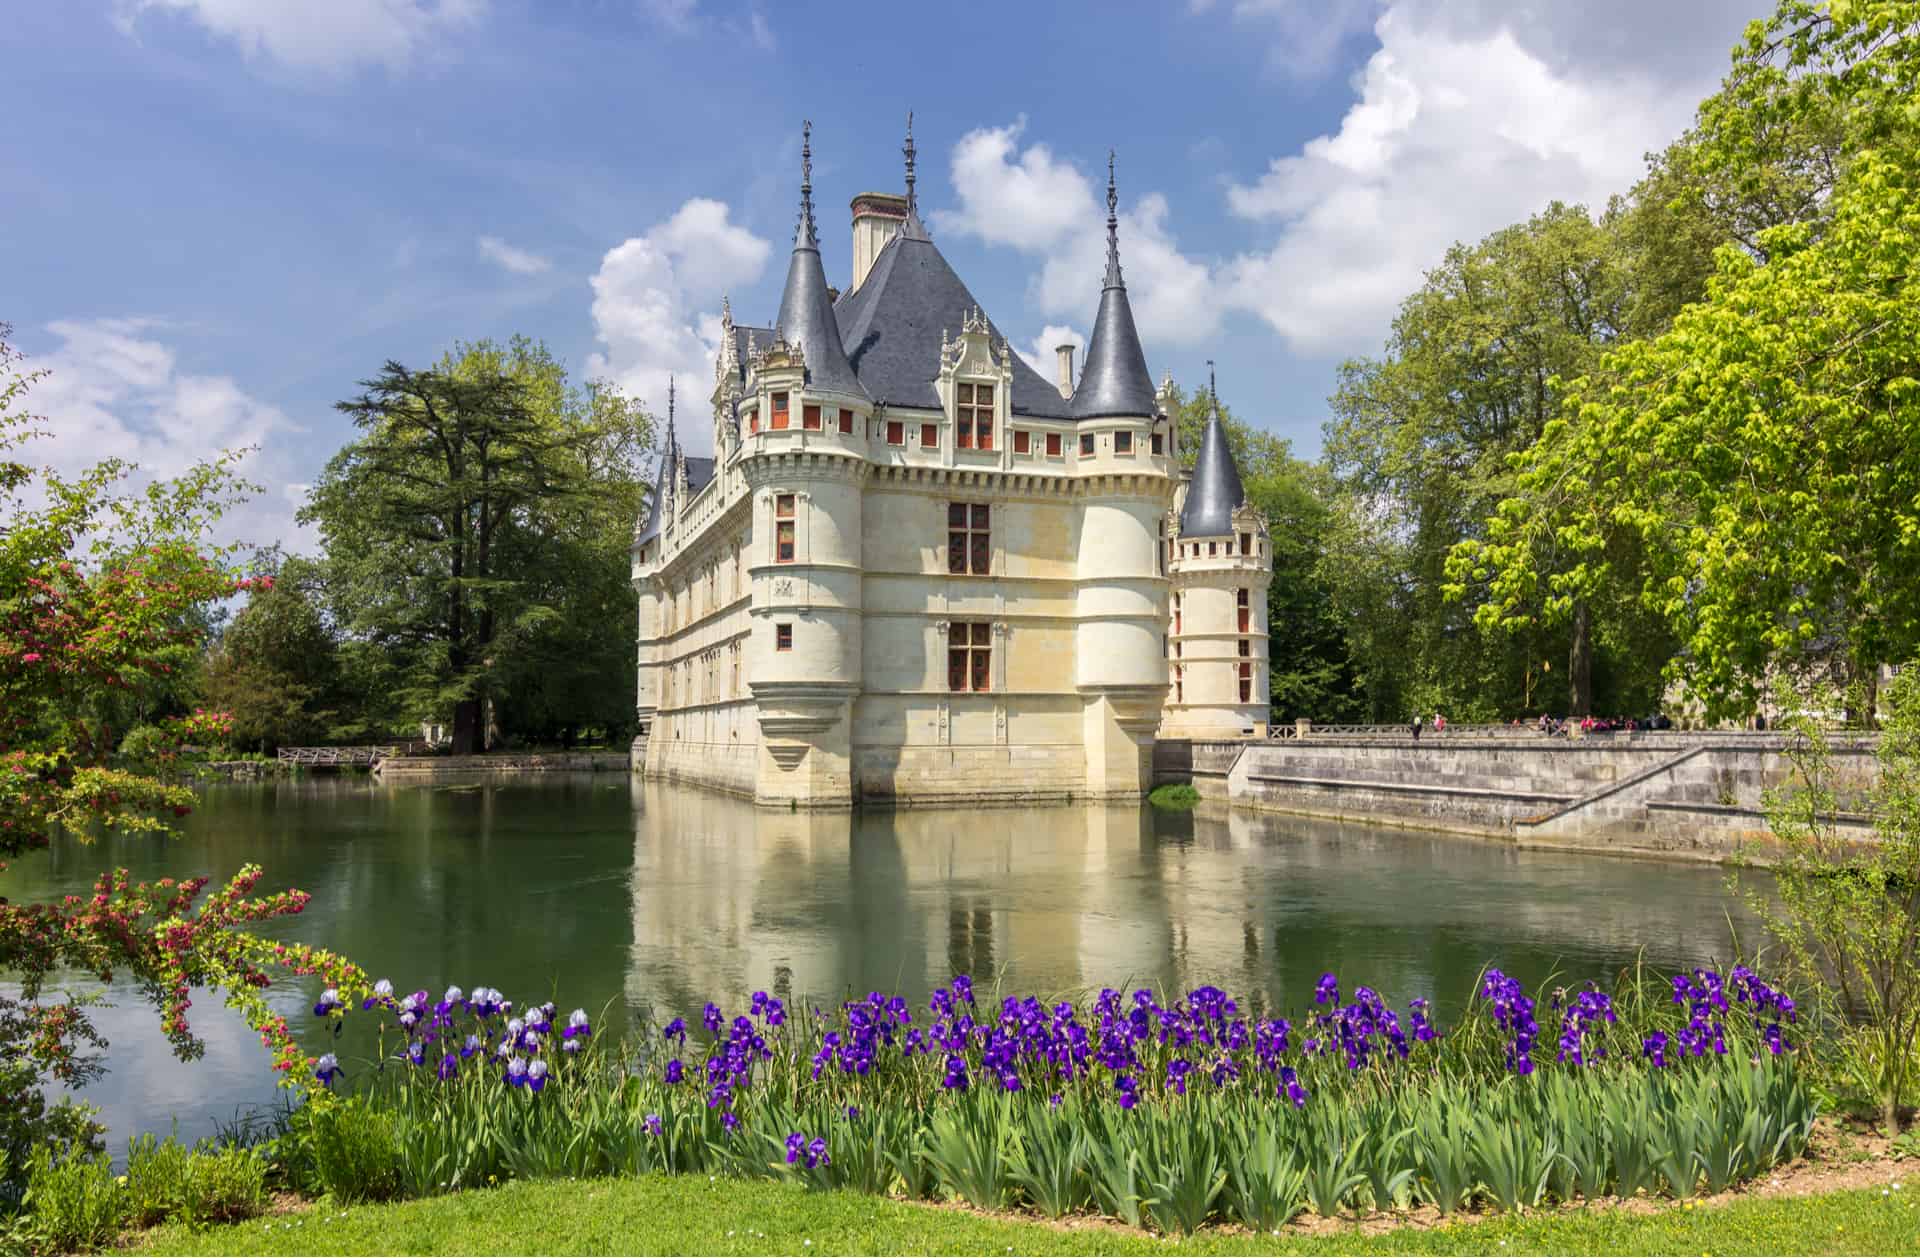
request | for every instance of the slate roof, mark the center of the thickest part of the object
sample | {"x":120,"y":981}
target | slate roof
{"x":891,"y":327}
{"x":1215,"y":491}
{"x":1114,"y":380}
{"x":806,"y":319}
{"x":699,"y":472}
{"x":761,"y":338}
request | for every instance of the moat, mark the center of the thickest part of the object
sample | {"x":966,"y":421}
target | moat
{"x":593,"y":889}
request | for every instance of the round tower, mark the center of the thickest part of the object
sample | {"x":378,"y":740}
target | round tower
{"x":1120,"y":600}
{"x":1220,"y":567}
{"x":805,"y":414}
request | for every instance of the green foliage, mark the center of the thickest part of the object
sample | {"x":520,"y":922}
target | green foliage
{"x":355,"y":1154}
{"x":475,"y":537}
{"x":74,"y":1205}
{"x":210,"y":1184}
{"x":1847,"y":914}
{"x":276,"y":667}
{"x":1748,"y":476}
{"x":1420,"y":443}
{"x":1175,"y":795}
{"x":1050,"y":1162}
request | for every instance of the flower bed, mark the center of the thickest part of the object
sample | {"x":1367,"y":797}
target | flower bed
{"x":1165,"y":1114}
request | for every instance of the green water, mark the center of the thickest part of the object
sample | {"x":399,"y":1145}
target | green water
{"x":593,"y":889}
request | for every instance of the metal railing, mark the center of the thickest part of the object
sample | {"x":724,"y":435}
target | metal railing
{"x":365,"y":754}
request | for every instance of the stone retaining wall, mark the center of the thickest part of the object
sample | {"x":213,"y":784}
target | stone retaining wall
{"x":412,"y":769}
{"x":1694,"y":796}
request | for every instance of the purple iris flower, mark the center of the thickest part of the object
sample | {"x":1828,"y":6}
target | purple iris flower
{"x":382,"y":995}
{"x":516,"y":1072}
{"x":472,"y":1046}
{"x":1654,"y":1048}
{"x":652,"y":1122}
{"x":711,"y":1016}
{"x":329,"y":1001}
{"x":449,"y":1066}
{"x":536,"y":1074}
{"x":676,"y":1071}
{"x":577,"y":1026}
{"x":417,"y":1053}
{"x":1290,"y":1087}
{"x":326,"y":1068}
{"x":1327,"y":990}
{"x":728,"y":1122}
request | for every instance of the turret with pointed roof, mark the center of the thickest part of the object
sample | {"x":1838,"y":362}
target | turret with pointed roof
{"x":1115,"y":380}
{"x":806,"y":306}
{"x":1215,"y":492}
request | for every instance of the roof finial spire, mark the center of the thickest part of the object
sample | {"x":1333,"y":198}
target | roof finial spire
{"x":913,"y":228}
{"x":670,"y":440}
{"x":1113,"y":229}
{"x":912,"y":204}
{"x":1213,"y":390}
{"x":804,"y":236}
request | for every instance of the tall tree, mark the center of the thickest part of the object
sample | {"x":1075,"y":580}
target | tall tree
{"x":1422,"y":436}
{"x":485,"y":505}
{"x":275,"y":668}
{"x":1752,"y":459}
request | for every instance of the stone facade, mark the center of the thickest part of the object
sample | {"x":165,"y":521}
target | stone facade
{"x":913,"y":571}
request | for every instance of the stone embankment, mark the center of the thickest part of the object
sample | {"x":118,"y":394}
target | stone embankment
{"x":413,"y":769}
{"x":1688,"y":795}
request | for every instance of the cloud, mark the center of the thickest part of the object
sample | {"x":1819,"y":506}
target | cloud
{"x":114,"y":388}
{"x":656,"y":299}
{"x":1041,"y":356}
{"x":1308,"y":35}
{"x":519,"y":261}
{"x":328,"y":37}
{"x":1041,"y":204}
{"x":1453,"y":134}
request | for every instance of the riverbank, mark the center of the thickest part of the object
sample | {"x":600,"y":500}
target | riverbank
{"x":412,"y":770}
{"x":695,"y":1215}
{"x":1686,"y":796}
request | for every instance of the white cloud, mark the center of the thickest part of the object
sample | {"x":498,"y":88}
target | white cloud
{"x":1308,"y":35}
{"x":519,"y":261}
{"x":1452,"y":136}
{"x":114,"y":389}
{"x":1041,"y":204}
{"x":1041,"y":355}
{"x":656,"y":299}
{"x":320,"y":36}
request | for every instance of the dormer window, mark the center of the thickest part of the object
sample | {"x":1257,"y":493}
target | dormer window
{"x":974,"y":416}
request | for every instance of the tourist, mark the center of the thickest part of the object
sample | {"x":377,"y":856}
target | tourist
{"x":1439,"y":723}
{"x":1418,"y":721}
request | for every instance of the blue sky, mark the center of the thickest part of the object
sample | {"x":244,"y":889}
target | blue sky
{"x":221,"y":213}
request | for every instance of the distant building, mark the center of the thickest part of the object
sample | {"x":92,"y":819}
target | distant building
{"x":915,"y":570}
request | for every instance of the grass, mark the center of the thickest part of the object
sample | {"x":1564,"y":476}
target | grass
{"x":686,"y":1214}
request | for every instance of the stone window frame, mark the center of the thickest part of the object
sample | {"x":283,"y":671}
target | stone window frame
{"x":970,"y":528}
{"x":810,"y":420}
{"x":896,"y":432}
{"x":970,"y":656}
{"x":781,"y":416}
{"x":973,"y":419}
{"x":783,"y":636}
{"x":786,"y":528}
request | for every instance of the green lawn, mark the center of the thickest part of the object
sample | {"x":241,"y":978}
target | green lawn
{"x":687,"y":1215}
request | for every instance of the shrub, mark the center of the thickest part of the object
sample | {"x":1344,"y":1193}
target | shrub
{"x":1847,"y":914}
{"x":156,"y":1178}
{"x":74,"y":1205}
{"x":355,"y":1155}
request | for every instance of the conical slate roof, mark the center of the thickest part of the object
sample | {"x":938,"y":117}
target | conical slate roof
{"x":699,"y":472}
{"x":806,"y":307}
{"x":1215,"y":492}
{"x":1114,"y":380}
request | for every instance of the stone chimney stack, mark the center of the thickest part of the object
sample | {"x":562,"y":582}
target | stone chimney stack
{"x":877,"y":218}
{"x":1065,"y":355}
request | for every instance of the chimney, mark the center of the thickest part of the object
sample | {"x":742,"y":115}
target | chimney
{"x":877,"y":217}
{"x":1065,"y":355}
